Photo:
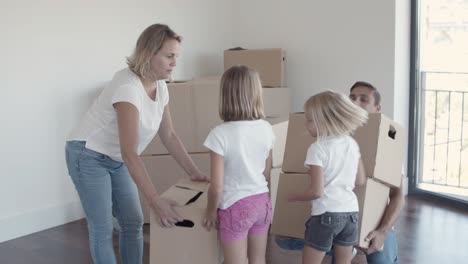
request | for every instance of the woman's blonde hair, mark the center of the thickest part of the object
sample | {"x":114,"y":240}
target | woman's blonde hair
{"x":334,"y":114}
{"x":240,"y":95}
{"x":148,"y":44}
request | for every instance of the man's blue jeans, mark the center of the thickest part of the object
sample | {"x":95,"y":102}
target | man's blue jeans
{"x":105,"y":187}
{"x":389,"y":255}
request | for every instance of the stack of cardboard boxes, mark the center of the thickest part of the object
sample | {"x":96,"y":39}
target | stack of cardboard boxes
{"x":381,"y":144}
{"x":289,"y":218}
{"x":194,"y":107}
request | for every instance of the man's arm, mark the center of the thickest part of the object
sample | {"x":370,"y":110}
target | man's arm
{"x":377,"y":237}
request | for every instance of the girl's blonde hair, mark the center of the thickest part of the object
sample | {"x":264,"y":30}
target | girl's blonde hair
{"x":334,"y":114}
{"x":240,"y":95}
{"x":148,"y":44}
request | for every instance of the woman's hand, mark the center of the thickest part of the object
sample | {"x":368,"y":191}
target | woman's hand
{"x":198,"y":176}
{"x":165,"y":212}
{"x":211,"y":220}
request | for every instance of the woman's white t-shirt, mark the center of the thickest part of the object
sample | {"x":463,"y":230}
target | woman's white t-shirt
{"x":338,"y":157}
{"x":245,"y":146}
{"x":99,"y":126}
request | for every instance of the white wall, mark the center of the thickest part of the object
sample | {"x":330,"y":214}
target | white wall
{"x":329,"y":44}
{"x":56,"y":55}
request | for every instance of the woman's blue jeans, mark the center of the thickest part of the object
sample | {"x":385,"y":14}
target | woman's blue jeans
{"x":106,"y":189}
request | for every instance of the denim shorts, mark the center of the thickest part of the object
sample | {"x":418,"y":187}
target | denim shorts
{"x":248,"y":216}
{"x":322,"y":231}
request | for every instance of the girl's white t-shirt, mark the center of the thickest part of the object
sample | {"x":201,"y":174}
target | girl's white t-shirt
{"x":245,"y":146}
{"x":99,"y":126}
{"x":338,"y":157}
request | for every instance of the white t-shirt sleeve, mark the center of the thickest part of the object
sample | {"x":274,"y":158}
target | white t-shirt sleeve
{"x":272,"y":136}
{"x":215,"y":142}
{"x":164,"y":92}
{"x":126,"y":93}
{"x":315,"y":156}
{"x":358,"y":150}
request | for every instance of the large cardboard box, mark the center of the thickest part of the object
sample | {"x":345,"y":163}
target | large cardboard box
{"x":269,"y":63}
{"x":276,"y":101}
{"x":381,"y":142}
{"x":194,"y":112}
{"x":187,"y":242}
{"x":373,"y":200}
{"x":164,"y":172}
{"x":205,"y":108}
{"x":280,"y":128}
{"x":289,"y":218}
{"x":181,"y":108}
{"x":298,"y":141}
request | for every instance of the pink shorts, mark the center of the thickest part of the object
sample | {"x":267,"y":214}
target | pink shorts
{"x":248,"y":216}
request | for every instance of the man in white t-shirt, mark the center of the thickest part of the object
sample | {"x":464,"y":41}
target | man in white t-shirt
{"x":367,"y":97}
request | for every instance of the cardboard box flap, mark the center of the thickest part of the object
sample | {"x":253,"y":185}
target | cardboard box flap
{"x":373,"y":200}
{"x":381,"y":142}
{"x":185,"y":192}
{"x":193,"y":185}
{"x":391,"y":144}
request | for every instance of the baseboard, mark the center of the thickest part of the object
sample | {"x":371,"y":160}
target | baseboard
{"x":39,"y":219}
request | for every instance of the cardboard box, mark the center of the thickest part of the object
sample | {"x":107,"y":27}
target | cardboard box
{"x":289,"y":218}
{"x":298,"y":141}
{"x":381,"y":142}
{"x":269,"y":63}
{"x":164,"y":172}
{"x":280,"y":128}
{"x":373,"y":200}
{"x":194,"y":107}
{"x":205,"y":109}
{"x":273,"y":186}
{"x":194,"y":112}
{"x":276,"y":102}
{"x":181,"y":108}
{"x":191,"y":243}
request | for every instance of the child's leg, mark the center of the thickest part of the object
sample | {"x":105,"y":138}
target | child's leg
{"x":346,"y":238}
{"x":257,"y":248}
{"x":235,"y":252}
{"x":343,"y":254}
{"x":312,"y":255}
{"x":258,"y":233}
{"x":318,"y":237}
{"x":236,"y":224}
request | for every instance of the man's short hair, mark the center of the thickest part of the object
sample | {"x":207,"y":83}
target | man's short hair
{"x":375,"y":92}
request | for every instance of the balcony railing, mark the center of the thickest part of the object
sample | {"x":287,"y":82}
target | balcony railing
{"x":445,"y":128}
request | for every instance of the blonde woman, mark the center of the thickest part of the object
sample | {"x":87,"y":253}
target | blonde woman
{"x":102,"y":153}
{"x":240,"y":165}
{"x":335,"y":167}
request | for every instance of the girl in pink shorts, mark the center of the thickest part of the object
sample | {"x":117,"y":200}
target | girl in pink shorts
{"x":238,"y":198}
